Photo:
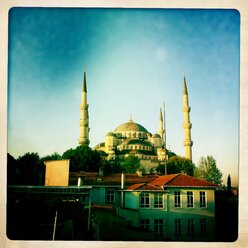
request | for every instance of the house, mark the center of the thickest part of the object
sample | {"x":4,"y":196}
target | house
{"x":175,"y":207}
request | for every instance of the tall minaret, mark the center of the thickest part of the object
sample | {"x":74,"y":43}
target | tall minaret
{"x":84,"y":121}
{"x":161,"y":125}
{"x":186,"y":124}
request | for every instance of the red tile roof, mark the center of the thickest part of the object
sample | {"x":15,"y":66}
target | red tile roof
{"x":135,"y":182}
{"x":143,"y":186}
{"x":162,"y":180}
{"x":173,"y":180}
{"x":181,"y":180}
{"x":93,"y":178}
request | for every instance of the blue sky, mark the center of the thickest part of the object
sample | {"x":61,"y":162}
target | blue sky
{"x":135,"y":61}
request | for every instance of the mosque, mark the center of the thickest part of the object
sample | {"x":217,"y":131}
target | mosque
{"x":131,"y":138}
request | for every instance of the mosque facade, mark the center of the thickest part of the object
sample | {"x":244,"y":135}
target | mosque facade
{"x":132,"y":138}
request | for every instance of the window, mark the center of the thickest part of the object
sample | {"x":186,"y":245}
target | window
{"x":110,"y":196}
{"x":144,"y":200}
{"x":191,"y":226}
{"x":158,"y":227}
{"x":203,"y":224}
{"x":158,"y":200}
{"x":177,"y":199}
{"x":178,"y":227}
{"x":190,"y":202}
{"x":145,"y":224}
{"x":203,"y":199}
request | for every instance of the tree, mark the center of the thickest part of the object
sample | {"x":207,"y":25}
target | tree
{"x":130,"y":164}
{"x":29,"y":168}
{"x":53,"y":156}
{"x":13,"y":174}
{"x":82,"y":158}
{"x":229,"y":184}
{"x":177,"y":164}
{"x":207,"y":170}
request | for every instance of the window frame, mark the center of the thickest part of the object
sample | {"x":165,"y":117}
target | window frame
{"x":191,"y":226}
{"x":203,"y":226}
{"x":110,"y":196}
{"x":159,"y":197}
{"x":177,"y":199}
{"x":145,"y":224}
{"x":190,"y":199}
{"x":158,"y":227}
{"x":144,"y":196}
{"x":178,"y":227}
{"x":203,"y":199}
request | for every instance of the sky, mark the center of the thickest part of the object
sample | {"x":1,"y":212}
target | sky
{"x":135,"y":60}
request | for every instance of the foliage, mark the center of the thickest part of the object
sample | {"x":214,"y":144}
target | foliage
{"x":229,"y":184}
{"x":53,"y":156}
{"x":113,"y":166}
{"x":82,"y":158}
{"x":29,"y":168}
{"x":130,"y":164}
{"x":177,"y":164}
{"x":207,"y":170}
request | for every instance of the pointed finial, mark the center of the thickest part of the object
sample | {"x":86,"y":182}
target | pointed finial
{"x":161,"y":115}
{"x":185,"y":91}
{"x":84,"y":82}
{"x":131,"y":120}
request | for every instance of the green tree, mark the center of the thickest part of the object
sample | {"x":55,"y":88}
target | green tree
{"x":229,"y":184}
{"x":207,"y":170}
{"x":130,"y":164}
{"x":29,"y":168}
{"x":53,"y":156}
{"x":13,"y":174}
{"x":177,"y":164}
{"x":83,"y":158}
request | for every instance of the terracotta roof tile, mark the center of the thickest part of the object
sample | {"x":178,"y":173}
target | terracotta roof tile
{"x":188,"y":181}
{"x":162,"y":180}
{"x":93,"y":178}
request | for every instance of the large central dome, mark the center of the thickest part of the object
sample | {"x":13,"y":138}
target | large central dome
{"x":130,"y":126}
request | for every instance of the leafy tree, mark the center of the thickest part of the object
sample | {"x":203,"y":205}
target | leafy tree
{"x":13,"y":174}
{"x":177,"y":164}
{"x":113,"y":166}
{"x":53,"y":156}
{"x":130,"y":164}
{"x":82,"y":158}
{"x":29,"y":168}
{"x":229,"y":184}
{"x":207,"y":170}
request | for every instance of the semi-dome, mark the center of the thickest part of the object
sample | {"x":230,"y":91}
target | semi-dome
{"x":130,"y":126}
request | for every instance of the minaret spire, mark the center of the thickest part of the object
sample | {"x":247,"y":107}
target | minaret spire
{"x":186,"y":124}
{"x":161,"y":125}
{"x":84,"y":121}
{"x":84,"y":81}
{"x":164,"y":127}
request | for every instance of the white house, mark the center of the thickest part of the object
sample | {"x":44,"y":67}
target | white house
{"x":175,"y":207}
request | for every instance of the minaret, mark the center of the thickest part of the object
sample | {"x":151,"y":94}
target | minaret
{"x":84,"y":121}
{"x":161,"y":125}
{"x":186,"y":124}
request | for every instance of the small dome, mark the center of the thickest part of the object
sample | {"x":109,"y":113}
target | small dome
{"x":130,"y":126}
{"x":110,"y":134}
{"x":156,"y":135}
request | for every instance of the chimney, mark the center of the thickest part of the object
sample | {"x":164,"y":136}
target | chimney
{"x":101,"y":172}
{"x":122,"y":181}
{"x":139,"y":173}
{"x":80,"y":181}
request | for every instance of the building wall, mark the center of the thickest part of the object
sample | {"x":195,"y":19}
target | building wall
{"x":195,"y":217}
